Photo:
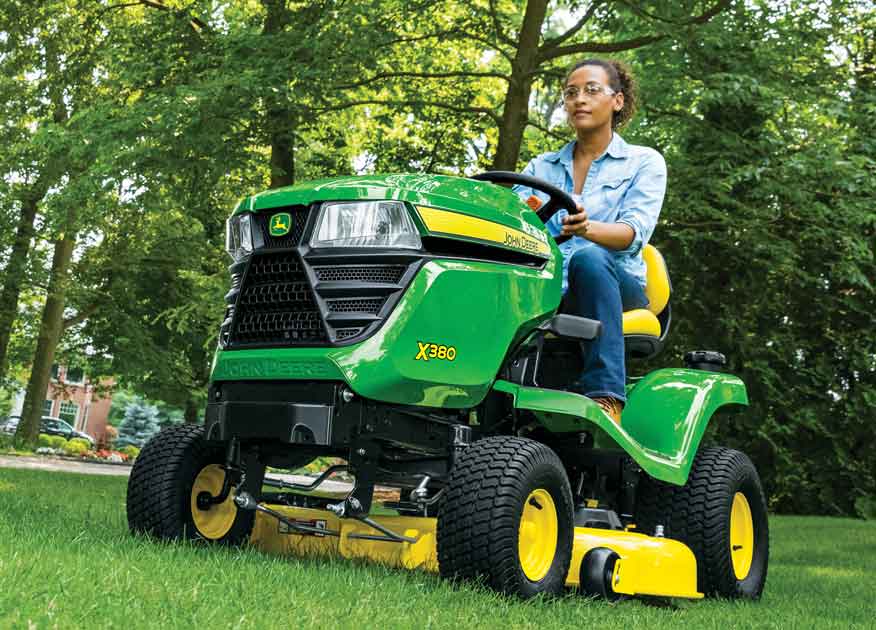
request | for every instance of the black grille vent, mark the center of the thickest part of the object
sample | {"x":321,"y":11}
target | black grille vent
{"x":279,"y":298}
{"x":384,"y":274}
{"x":355,"y":305}
{"x":293,"y":238}
{"x":276,"y":305}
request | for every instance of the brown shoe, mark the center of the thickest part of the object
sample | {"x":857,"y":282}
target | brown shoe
{"x":611,"y":406}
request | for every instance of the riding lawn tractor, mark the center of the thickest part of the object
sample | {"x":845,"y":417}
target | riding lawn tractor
{"x":412,"y":327}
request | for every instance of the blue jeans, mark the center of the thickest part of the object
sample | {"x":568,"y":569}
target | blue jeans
{"x":599,"y":289}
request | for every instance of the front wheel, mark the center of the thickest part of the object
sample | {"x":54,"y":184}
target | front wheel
{"x":506,"y":518}
{"x":720,"y":513}
{"x":171,"y":471}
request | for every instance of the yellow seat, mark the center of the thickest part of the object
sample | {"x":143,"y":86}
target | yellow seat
{"x":644,"y":321}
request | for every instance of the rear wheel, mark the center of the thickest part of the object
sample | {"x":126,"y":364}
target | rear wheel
{"x":506,"y":518}
{"x":720,"y":513}
{"x":173,"y":469}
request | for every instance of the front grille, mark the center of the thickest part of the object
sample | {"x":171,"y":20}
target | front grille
{"x":276,"y":305}
{"x":355,"y":305}
{"x":280,"y":299}
{"x":378,"y":274}
{"x":299,"y":216}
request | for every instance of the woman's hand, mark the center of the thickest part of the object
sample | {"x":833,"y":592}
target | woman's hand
{"x":576,"y":224}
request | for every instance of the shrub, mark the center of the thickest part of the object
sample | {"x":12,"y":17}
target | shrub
{"x":57,"y":442}
{"x":866,"y":507}
{"x":139,"y":425}
{"x":44,"y":441}
{"x":110,"y":434}
{"x":131,"y":451}
{"x":76,"y":447}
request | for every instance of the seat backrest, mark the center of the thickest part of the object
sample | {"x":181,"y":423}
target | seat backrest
{"x":658,"y":287}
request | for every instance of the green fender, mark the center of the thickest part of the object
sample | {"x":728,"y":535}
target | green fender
{"x":662,"y":424}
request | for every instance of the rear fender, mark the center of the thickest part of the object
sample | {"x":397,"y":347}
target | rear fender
{"x":666,"y":414}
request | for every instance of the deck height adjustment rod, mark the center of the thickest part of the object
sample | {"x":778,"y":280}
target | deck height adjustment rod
{"x":305,"y":487}
{"x":245,"y":501}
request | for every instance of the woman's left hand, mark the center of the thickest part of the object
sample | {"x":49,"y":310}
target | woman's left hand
{"x":576,"y":224}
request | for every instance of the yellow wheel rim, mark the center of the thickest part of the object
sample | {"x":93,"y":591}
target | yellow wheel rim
{"x":741,"y":536}
{"x":215,"y":522}
{"x":537,"y":537}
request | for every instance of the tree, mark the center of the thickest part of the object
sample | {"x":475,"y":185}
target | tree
{"x":769,"y":237}
{"x":170,"y":110}
{"x":242,"y":88}
{"x":517,"y":45}
{"x":139,"y":425}
{"x":44,"y":39}
{"x":33,"y":113}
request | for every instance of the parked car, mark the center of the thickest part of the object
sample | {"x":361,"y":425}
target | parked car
{"x":50,"y":426}
{"x":9,"y":425}
{"x":56,"y":426}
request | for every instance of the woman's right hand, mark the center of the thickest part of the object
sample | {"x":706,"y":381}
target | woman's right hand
{"x":576,"y":224}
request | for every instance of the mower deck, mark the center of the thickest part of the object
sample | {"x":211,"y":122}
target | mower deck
{"x":647,"y":566}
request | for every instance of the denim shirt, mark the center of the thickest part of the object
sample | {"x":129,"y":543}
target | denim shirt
{"x":625,"y":184}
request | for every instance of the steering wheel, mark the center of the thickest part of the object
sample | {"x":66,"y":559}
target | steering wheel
{"x":557,"y":199}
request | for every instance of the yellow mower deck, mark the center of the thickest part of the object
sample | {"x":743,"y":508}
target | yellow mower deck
{"x":647,"y":565}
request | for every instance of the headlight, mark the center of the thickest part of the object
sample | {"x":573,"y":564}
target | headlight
{"x":366,"y":224}
{"x":238,"y":236}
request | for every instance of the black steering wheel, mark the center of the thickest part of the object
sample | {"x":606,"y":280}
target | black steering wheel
{"x":557,"y":199}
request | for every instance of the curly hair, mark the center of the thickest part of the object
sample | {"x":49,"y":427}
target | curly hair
{"x":620,"y":79}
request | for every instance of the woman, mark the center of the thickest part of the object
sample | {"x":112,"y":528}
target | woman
{"x":619,"y":188}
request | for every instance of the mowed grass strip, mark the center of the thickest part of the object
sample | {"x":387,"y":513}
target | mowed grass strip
{"x":67,"y":561}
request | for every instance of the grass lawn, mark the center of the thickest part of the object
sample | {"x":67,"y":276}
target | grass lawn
{"x":67,"y":561}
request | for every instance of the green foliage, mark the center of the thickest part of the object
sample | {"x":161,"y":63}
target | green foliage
{"x":122,"y":398}
{"x":44,"y":440}
{"x":131,"y":451}
{"x":57,"y":441}
{"x":769,"y":232}
{"x":76,"y":447}
{"x":139,"y":425}
{"x":6,"y":400}
{"x":156,"y":117}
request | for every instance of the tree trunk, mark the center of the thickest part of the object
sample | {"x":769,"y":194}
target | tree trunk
{"x":192,"y":411}
{"x":14,"y":274}
{"x":282,"y":147}
{"x":50,"y":334}
{"x":29,"y":201}
{"x":278,"y":118}
{"x":515,"y":112}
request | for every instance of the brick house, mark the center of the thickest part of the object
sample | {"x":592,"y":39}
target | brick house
{"x":72,"y":397}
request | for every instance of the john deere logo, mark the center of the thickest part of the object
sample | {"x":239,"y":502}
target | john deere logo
{"x":281,"y":224}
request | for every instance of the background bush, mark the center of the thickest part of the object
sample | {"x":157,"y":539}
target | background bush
{"x":110,"y":435}
{"x":131,"y":451}
{"x":76,"y":447}
{"x":139,"y":424}
{"x":58,"y":441}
